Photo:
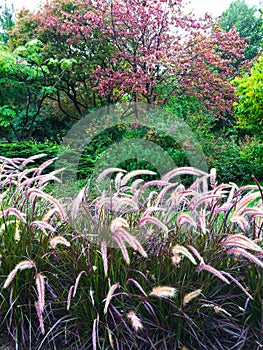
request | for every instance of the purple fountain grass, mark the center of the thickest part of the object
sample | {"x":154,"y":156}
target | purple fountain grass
{"x":233,"y":192}
{"x":196,"y":253}
{"x":246,"y":188}
{"x":32,"y":159}
{"x":213,"y":178}
{"x":157,"y":183}
{"x":154,"y":221}
{"x":240,"y":251}
{"x":241,"y":221}
{"x":131,"y":240}
{"x":221,"y":189}
{"x":115,"y":203}
{"x":135,"y":184}
{"x":134,"y":173}
{"x":110,"y":295}
{"x":118,"y":223}
{"x":200,"y":184}
{"x":48,"y":215}
{"x":77,"y":202}
{"x":227,"y":274}
{"x":13,"y":211}
{"x":45,"y":164}
{"x":118,"y":178}
{"x":120,"y":235}
{"x":183,"y":171}
{"x":177,"y":198}
{"x":179,"y":249}
{"x":166,"y":209}
{"x":163,"y":292}
{"x":122,"y":247}
{"x":150,"y":210}
{"x":240,"y":241}
{"x":12,"y":161}
{"x":190,"y":296}
{"x":245,"y":201}
{"x":135,"y":321}
{"x":10,"y":278}
{"x":25,"y":264}
{"x":40,"y":317}
{"x":176,"y":259}
{"x":186,"y":219}
{"x":23,"y":174}
{"x":91,"y":294}
{"x":58,"y":240}
{"x":259,"y":227}
{"x":231,"y":198}
{"x":204,"y":198}
{"x":41,"y":179}
{"x":95,"y":332}
{"x":137,"y":284}
{"x":104,"y":257}
{"x":202,"y":222}
{"x":69,"y":297}
{"x":55,"y":202}
{"x":77,"y":282}
{"x":109,"y":171}
{"x":163,"y":192}
{"x":40,"y":283}
{"x":214,"y":271}
{"x":42,"y":225}
{"x":254,"y":212}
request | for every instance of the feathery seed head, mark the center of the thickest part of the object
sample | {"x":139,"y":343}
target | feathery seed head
{"x":135,"y":321}
{"x":188,"y":297}
{"x":118,"y":223}
{"x":178,"y":249}
{"x":58,"y":240}
{"x":40,"y":283}
{"x":163,"y":292}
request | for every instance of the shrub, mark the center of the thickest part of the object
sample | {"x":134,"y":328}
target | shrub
{"x":235,"y":161}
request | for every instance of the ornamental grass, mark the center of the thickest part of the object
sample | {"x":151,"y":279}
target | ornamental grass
{"x":129,"y":263}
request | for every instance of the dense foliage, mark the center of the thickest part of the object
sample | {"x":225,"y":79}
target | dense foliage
{"x":249,"y":109}
{"x":127,"y":50}
{"x":24,"y":91}
{"x":248,"y":22}
{"x":6,"y":21}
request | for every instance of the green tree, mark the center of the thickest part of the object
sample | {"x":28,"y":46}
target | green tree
{"x":249,"y":108}
{"x":6,"y":21}
{"x":24,"y":88}
{"x":248,"y":21}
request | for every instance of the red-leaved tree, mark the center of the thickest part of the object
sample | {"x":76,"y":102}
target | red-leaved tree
{"x":140,"y":50}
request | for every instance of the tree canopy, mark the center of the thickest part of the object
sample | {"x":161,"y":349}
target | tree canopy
{"x":6,"y":21}
{"x":249,"y":109}
{"x":248,"y":21}
{"x":79,"y":56}
{"x":24,"y":88}
{"x":137,"y":50}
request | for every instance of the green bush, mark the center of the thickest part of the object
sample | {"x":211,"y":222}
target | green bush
{"x":27,"y":149}
{"x":234,"y":160}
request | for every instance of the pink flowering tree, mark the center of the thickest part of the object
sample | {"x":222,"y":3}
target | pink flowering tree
{"x":141,"y":51}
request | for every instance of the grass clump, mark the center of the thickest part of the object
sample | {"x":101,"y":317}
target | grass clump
{"x":129,"y":263}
